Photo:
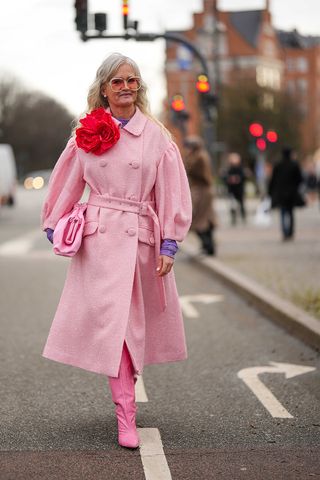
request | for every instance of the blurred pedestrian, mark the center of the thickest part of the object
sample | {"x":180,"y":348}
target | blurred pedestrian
{"x":197,"y":162}
{"x":310,"y":180}
{"x":286,"y":179}
{"x":234,"y":179}
{"x":119,"y":309}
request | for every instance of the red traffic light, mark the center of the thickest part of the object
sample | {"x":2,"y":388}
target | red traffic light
{"x":256,"y":129}
{"x":203,"y":85}
{"x":125,"y":7}
{"x":272,"y":136}
{"x":261,"y":144}
{"x":178,"y":104}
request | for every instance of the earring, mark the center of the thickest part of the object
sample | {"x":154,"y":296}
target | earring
{"x":105,"y":96}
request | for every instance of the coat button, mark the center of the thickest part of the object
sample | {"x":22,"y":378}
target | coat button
{"x":135,"y":165}
{"x":103,"y":163}
{"x":151,"y":239}
{"x":131,"y":232}
{"x":102,"y":229}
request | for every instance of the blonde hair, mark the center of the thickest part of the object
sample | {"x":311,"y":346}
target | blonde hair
{"x":105,"y":72}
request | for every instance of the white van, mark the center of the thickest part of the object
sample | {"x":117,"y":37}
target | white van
{"x":8,"y":175}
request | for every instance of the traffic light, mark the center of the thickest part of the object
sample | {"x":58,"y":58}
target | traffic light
{"x":207,"y":98}
{"x":81,"y":19}
{"x":272,"y":136}
{"x":100,"y":22}
{"x":179,"y":113}
{"x":261,"y":144}
{"x":125,"y":13}
{"x":256,"y":129}
{"x":203,"y":85}
{"x":177,"y":103}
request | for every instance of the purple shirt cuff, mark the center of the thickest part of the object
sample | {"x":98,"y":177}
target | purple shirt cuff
{"x":169,"y":248}
{"x":49,"y":233}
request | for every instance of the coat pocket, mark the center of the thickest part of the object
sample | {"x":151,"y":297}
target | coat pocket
{"x":146,"y":235}
{"x":90,"y":228}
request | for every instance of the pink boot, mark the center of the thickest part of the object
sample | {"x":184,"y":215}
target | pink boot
{"x":123,"y":395}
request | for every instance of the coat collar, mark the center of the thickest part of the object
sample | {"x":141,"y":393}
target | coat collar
{"x":136,"y":123}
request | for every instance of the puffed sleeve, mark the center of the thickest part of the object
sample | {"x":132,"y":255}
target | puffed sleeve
{"x":172,"y":194}
{"x":65,"y":187}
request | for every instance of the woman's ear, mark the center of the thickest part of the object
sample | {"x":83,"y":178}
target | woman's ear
{"x":103,"y":92}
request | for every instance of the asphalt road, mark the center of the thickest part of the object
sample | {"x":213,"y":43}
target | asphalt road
{"x":57,"y":422}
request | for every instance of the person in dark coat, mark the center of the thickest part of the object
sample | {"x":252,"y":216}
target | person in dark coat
{"x":284,"y":186}
{"x":235,"y":181}
{"x":198,"y":167}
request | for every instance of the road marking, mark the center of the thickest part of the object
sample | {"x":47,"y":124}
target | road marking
{"x":153,"y":459}
{"x":189,"y":310}
{"x":141,"y":395}
{"x":264,"y":395}
{"x":20,"y":245}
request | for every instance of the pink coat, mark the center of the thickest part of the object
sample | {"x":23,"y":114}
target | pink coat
{"x":139,"y":195}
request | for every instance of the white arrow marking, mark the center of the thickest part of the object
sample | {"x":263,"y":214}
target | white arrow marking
{"x":186,"y":302}
{"x":268,"y":400}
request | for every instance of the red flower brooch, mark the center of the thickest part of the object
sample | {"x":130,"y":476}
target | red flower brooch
{"x":98,"y":132}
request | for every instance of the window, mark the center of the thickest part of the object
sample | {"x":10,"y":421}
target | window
{"x":302,"y":64}
{"x":299,"y":64}
{"x":269,"y":48}
{"x":290,"y":62}
{"x":302,"y":85}
{"x":268,"y":101}
{"x":303,"y":109}
{"x":268,"y":77}
{"x":290,"y":87}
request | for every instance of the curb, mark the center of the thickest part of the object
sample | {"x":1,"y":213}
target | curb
{"x":295,"y":320}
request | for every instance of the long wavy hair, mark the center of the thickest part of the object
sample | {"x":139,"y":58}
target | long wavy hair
{"x":105,"y":72}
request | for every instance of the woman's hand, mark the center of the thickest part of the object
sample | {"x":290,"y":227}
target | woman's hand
{"x":165,"y":264}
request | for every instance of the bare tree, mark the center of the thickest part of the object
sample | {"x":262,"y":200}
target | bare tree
{"x":246,"y":103}
{"x":36,"y":125}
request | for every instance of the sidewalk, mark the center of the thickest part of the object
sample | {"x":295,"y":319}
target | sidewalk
{"x":290,"y":269}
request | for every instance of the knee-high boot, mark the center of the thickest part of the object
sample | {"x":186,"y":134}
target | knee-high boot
{"x":123,"y":395}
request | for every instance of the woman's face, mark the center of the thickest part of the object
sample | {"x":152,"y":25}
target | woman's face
{"x":125,"y":97}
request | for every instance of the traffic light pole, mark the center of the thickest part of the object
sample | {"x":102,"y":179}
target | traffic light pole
{"x":151,"y":37}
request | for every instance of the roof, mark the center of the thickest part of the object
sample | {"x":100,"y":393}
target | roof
{"x":294,"y":39}
{"x":248,"y":23}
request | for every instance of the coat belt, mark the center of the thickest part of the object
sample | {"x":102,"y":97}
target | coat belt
{"x":145,"y":208}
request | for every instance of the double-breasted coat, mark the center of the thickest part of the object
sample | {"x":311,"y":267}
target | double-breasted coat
{"x":112,"y":293}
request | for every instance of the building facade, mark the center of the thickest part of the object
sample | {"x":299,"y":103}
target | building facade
{"x":244,"y":45}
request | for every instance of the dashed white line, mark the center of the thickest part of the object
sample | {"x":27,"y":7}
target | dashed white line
{"x":20,"y":245}
{"x":141,"y":395}
{"x":153,"y":459}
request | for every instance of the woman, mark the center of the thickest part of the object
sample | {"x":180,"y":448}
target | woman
{"x":119,"y":308}
{"x":284,"y":191}
{"x":198,"y":169}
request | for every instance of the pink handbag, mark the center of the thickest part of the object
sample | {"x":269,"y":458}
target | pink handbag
{"x":67,"y":235}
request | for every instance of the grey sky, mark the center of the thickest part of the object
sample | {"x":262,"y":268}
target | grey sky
{"x":38,"y":42}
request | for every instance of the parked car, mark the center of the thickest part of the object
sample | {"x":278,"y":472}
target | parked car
{"x":8,"y":175}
